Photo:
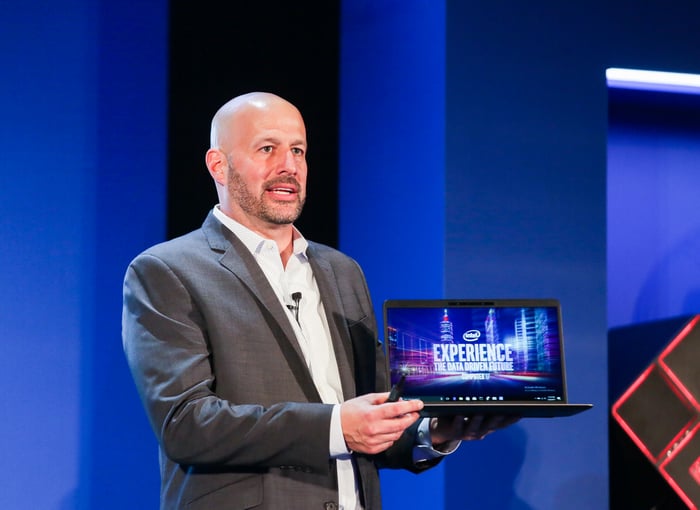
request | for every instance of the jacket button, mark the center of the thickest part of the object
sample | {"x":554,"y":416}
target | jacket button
{"x":330,"y":505}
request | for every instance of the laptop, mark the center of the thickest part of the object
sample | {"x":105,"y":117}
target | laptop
{"x":468,"y":357}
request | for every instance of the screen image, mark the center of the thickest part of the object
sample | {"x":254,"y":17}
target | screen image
{"x":475,"y":353}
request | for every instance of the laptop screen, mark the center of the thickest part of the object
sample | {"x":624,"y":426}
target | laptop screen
{"x":487,"y":351}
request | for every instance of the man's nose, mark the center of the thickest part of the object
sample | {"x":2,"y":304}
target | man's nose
{"x":287,"y":163}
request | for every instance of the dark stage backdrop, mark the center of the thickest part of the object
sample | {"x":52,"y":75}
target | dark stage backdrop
{"x":219,"y":50}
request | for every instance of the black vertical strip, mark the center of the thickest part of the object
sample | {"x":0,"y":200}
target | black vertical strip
{"x":221,"y":49}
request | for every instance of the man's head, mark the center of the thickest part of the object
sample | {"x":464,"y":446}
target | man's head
{"x":258,"y":160}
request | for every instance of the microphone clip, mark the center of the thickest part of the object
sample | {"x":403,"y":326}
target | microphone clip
{"x":296,"y":297}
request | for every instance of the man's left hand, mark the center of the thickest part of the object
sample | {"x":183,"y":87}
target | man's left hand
{"x":446,"y":429}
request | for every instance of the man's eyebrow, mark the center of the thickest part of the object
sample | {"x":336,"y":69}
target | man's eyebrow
{"x":273,"y":140}
{"x":267,"y":139}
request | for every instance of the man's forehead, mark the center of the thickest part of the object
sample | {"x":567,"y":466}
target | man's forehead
{"x":257,"y":116}
{"x":269,"y":123}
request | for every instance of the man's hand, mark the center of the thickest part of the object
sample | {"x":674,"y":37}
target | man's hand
{"x":371,"y":425}
{"x":467,"y":428}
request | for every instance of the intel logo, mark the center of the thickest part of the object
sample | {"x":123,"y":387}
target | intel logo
{"x":472,"y":335}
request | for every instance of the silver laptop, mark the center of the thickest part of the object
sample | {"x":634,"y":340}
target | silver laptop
{"x":467,"y":357}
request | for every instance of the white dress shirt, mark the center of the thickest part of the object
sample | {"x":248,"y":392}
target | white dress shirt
{"x":311,"y":328}
{"x":312,"y":334}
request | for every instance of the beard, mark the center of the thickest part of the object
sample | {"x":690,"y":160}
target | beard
{"x":264,"y":207}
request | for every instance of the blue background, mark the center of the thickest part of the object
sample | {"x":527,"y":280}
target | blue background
{"x":473,"y":142}
{"x":82,"y":158}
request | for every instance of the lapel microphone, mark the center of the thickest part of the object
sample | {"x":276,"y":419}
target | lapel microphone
{"x":296,"y":297}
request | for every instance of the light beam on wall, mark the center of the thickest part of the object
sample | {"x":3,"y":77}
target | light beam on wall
{"x":683,"y":83}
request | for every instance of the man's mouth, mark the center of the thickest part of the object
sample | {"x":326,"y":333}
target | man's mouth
{"x":282,"y":190}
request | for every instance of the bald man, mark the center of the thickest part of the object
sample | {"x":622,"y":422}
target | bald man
{"x":255,"y":352}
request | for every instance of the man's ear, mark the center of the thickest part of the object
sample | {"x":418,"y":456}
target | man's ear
{"x":217,"y":165}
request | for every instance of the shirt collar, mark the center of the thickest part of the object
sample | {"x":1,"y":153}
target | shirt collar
{"x":254,"y":241}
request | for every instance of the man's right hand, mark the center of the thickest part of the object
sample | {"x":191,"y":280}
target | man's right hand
{"x":371,"y":424}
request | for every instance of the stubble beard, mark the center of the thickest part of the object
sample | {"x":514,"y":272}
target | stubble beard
{"x":263,"y":207}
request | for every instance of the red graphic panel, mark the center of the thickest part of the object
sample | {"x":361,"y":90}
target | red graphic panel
{"x":695,"y":470}
{"x":661,"y":414}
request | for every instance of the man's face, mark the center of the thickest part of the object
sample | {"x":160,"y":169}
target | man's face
{"x":266,"y":178}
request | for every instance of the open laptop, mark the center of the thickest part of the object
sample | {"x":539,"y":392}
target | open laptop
{"x":465,"y":357}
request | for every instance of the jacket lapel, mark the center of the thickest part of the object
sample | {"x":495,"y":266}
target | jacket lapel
{"x":237,"y":259}
{"x":340,"y":336}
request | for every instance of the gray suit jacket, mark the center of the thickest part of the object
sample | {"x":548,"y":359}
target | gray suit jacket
{"x":224,"y":383}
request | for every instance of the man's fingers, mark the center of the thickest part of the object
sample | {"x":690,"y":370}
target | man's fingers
{"x":376,"y":398}
{"x":479,"y":426}
{"x":371,"y":425}
{"x":396,"y":409}
{"x":468,"y":428}
{"x":472,"y":428}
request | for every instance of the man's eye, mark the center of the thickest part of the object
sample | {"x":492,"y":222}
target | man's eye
{"x":297,"y":151}
{"x":267,"y":149}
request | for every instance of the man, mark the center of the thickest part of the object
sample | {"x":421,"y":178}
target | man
{"x":255,"y":352}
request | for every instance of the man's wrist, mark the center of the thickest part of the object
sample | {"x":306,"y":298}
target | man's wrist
{"x":337,"y":446}
{"x":425,"y":450}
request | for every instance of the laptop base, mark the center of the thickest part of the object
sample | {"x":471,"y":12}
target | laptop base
{"x":437,"y":409}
